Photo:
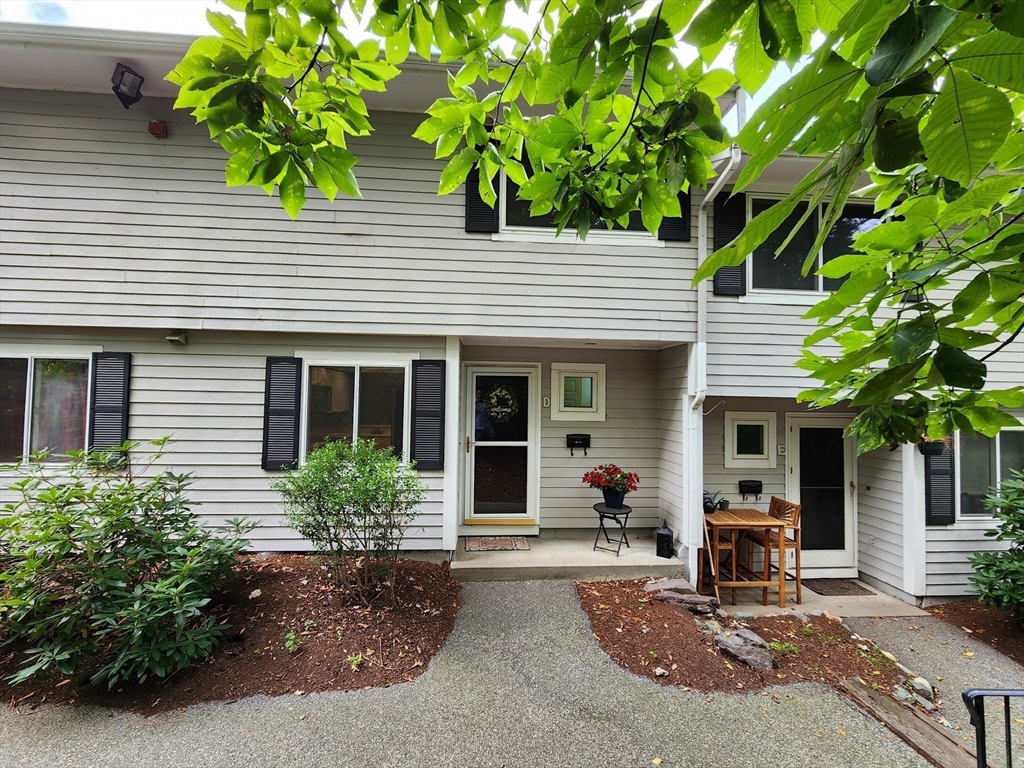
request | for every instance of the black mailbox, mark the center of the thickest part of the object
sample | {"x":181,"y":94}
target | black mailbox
{"x":751,"y":488}
{"x":572,"y":442}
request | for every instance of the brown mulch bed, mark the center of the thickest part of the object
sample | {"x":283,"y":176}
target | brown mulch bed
{"x":997,"y":628}
{"x":642,"y":634}
{"x":341,"y":646}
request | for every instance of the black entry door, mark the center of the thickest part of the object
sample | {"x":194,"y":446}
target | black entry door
{"x":822,"y":488}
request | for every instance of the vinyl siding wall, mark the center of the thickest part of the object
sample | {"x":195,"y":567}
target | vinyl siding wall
{"x":630,"y":436}
{"x":105,"y":225}
{"x":880,"y":510}
{"x":209,"y":397}
{"x":672,"y":382}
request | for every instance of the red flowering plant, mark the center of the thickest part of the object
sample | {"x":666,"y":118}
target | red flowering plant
{"x":609,"y":477}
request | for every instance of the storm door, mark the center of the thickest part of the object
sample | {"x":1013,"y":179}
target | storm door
{"x":820,"y":479}
{"x":501,"y":446}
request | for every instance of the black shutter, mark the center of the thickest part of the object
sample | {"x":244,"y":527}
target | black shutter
{"x":730,"y":218}
{"x":282,"y":401}
{"x":428,"y":414}
{"x":108,"y":411}
{"x":677,"y":227}
{"x":938,"y":488}
{"x":480,"y":217}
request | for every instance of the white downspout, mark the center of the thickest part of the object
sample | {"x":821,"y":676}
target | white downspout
{"x":697,"y":368}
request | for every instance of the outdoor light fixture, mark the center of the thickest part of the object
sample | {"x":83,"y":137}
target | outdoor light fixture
{"x":127,"y":84}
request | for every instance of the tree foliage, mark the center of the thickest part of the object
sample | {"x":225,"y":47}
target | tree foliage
{"x":596,"y":108}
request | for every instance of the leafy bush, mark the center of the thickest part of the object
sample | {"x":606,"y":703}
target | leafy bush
{"x":102,"y":557}
{"x":354,"y":502}
{"x":999,"y":576}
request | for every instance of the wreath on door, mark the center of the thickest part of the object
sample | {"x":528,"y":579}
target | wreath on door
{"x":501,"y":404}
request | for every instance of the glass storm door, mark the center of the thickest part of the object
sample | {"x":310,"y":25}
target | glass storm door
{"x":820,"y":479}
{"x":500,"y":447}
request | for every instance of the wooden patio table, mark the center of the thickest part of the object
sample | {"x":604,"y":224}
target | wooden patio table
{"x":729,"y":523}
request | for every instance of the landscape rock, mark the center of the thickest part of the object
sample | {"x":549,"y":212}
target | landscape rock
{"x":742,"y":615}
{"x":802,"y":616}
{"x":906,"y":670}
{"x":693,"y":603}
{"x":660,"y":672}
{"x":924,"y":703}
{"x":889,"y":656}
{"x":671,"y":585}
{"x":902,"y":694}
{"x":831,"y":617}
{"x":746,"y":647}
{"x":710,"y":626}
{"x":922,"y":687}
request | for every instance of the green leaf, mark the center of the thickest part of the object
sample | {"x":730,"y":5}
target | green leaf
{"x":257,"y":29}
{"x":897,"y":143}
{"x":269,"y":169}
{"x":780,"y":16}
{"x":293,"y":190}
{"x":996,"y":57}
{"x":885,"y":385}
{"x":968,"y":122}
{"x":321,"y":10}
{"x":226,"y":27}
{"x":912,"y":340}
{"x":958,"y":369}
{"x":908,"y":38}
{"x":454,"y":174}
{"x":713,"y":23}
{"x":971,"y":296}
{"x":332,"y":169}
{"x":753,"y":65}
{"x":917,"y":84}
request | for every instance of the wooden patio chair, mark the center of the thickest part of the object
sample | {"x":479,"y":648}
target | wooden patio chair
{"x":788,"y":512}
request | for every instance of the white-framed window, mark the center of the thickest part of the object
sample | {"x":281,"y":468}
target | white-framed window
{"x":44,"y":401}
{"x":578,"y":392}
{"x":516,"y":223}
{"x":983,"y":462}
{"x":768,"y":272}
{"x":750,"y":439}
{"x":344,"y":400}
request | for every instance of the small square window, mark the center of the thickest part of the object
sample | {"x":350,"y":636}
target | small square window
{"x":578,"y":392}
{"x":750,"y":439}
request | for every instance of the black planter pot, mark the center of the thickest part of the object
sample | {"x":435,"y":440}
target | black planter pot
{"x":613,"y":499}
{"x":931,"y":448}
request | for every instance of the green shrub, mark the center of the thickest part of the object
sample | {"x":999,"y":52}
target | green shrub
{"x":102,"y":557}
{"x":998,"y":577}
{"x":354,"y":502}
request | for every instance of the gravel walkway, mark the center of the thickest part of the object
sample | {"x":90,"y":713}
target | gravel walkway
{"x":953,"y":661}
{"x":521,"y":682}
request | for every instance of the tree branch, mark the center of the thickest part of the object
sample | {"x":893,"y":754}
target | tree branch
{"x":312,"y":63}
{"x":1005,"y":343}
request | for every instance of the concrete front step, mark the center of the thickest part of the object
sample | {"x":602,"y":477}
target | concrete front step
{"x":564,"y":559}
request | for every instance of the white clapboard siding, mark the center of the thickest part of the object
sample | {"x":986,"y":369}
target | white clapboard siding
{"x":755,"y":340}
{"x":880,"y":550}
{"x":672,"y":504}
{"x":629,"y":437}
{"x":209,"y":395}
{"x":105,"y":225}
{"x":949,"y":549}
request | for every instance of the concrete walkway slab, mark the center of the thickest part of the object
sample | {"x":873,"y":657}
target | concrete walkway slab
{"x":875,"y":604}
{"x":569,"y":558}
{"x":521,"y":682}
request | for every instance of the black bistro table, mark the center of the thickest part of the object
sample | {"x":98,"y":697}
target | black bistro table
{"x":620,"y":516}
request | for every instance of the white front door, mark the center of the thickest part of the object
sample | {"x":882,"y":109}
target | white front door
{"x":820,"y":477}
{"x":502,"y":445}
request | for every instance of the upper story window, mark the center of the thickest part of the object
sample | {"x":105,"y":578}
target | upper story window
{"x":985,"y":462}
{"x":43,"y":404}
{"x":344,"y":402}
{"x":783,"y":272}
{"x":517,"y":214}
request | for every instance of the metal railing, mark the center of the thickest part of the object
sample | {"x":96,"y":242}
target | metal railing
{"x":974,"y":700}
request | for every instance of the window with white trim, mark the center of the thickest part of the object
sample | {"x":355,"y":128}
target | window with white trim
{"x":984,"y":462}
{"x":43,"y":404}
{"x":344,"y":402}
{"x":769,"y":272}
{"x":750,"y":439}
{"x":578,"y":392}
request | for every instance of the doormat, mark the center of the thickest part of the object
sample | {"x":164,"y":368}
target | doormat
{"x":836,"y":587}
{"x":496,"y":543}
